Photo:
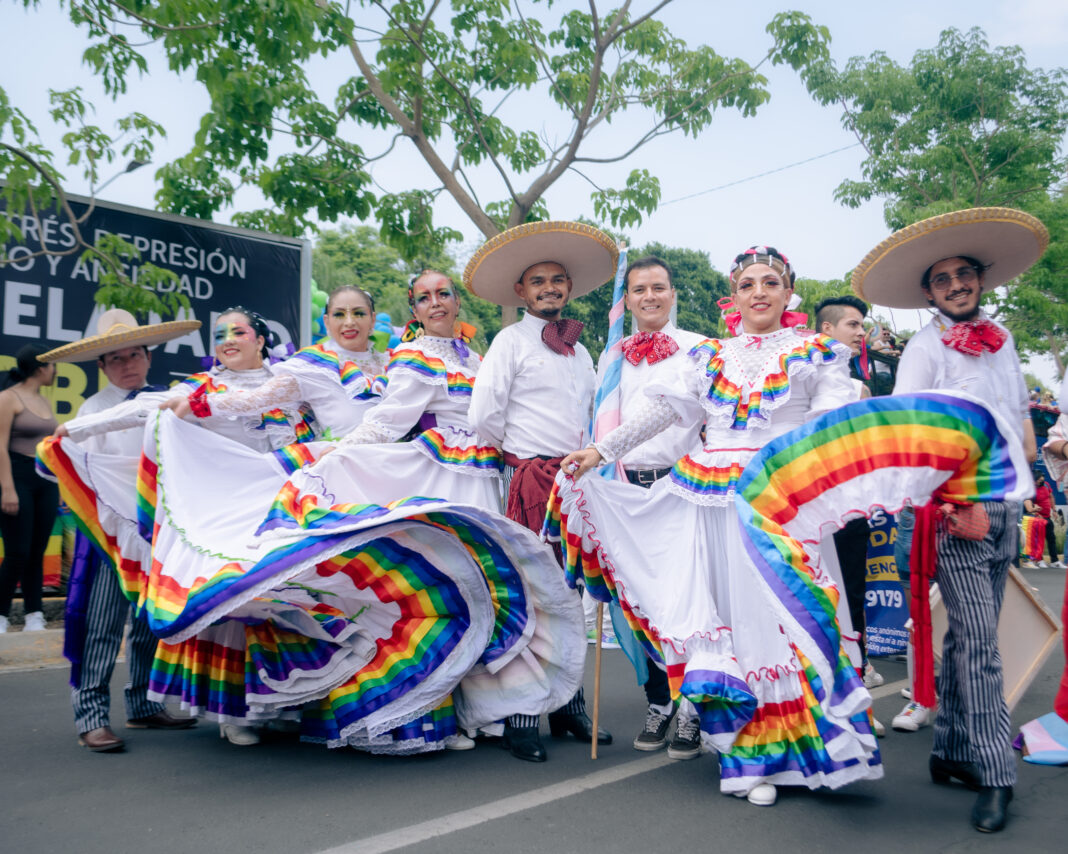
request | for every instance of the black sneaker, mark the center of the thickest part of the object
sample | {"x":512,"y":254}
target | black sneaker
{"x":687,"y":741}
{"x":654,"y":735}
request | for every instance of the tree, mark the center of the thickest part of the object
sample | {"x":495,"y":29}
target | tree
{"x":963,"y":126}
{"x":32,"y":185}
{"x":438,"y":77}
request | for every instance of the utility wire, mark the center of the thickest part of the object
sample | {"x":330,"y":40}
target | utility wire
{"x":760,"y":175}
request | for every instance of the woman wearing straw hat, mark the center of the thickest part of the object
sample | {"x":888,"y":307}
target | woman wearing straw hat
{"x":946,"y":263}
{"x":682,"y":567}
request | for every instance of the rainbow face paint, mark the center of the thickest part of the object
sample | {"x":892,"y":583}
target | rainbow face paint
{"x":233,"y":332}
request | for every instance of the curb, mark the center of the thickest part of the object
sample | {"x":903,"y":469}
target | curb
{"x":31,"y":650}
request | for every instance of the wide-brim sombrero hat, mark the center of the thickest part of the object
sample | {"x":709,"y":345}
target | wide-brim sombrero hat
{"x":587,"y":254}
{"x":117,"y":329}
{"x":1006,"y":241}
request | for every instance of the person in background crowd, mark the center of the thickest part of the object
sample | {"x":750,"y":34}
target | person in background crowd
{"x":842,"y":318}
{"x":1042,"y":506}
{"x":28,"y":504}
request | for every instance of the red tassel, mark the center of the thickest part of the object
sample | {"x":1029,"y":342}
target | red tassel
{"x":923,"y":563}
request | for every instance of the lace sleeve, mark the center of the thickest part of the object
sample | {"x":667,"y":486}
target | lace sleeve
{"x":278,"y":392}
{"x":407,"y":398}
{"x":122,"y":416}
{"x":653,"y":418}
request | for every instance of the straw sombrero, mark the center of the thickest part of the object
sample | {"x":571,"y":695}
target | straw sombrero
{"x":587,"y":253}
{"x":1008,"y":241}
{"x":116,"y":329}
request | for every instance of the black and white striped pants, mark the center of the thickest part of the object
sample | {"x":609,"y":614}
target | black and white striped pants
{"x":106,"y":618}
{"x":972,"y":724}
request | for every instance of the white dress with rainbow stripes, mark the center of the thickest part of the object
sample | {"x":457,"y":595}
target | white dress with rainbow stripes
{"x":675,"y":558}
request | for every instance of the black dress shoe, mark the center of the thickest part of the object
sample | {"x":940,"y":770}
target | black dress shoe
{"x":942,"y":770}
{"x":991,"y":808}
{"x":579,"y":725}
{"x":161,"y":720}
{"x":524,"y":743}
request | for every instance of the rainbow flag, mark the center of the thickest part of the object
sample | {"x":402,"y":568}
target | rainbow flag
{"x":608,"y":401}
{"x":1033,"y":541}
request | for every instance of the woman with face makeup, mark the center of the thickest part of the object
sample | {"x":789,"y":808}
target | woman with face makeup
{"x":334,"y":384}
{"x":678,"y":558}
{"x":349,"y":319}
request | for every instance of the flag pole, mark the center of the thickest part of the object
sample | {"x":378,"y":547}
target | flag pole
{"x":597,"y":680}
{"x":607,"y":417}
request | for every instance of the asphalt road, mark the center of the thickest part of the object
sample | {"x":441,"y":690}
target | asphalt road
{"x":189,"y":791}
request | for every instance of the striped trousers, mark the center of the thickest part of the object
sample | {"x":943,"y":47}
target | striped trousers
{"x":106,"y":617}
{"x":972,"y":724}
{"x":577,"y":704}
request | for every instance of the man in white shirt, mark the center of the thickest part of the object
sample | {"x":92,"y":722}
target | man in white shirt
{"x":97,"y":609}
{"x":946,"y":262}
{"x":534,"y":393}
{"x":656,"y":353}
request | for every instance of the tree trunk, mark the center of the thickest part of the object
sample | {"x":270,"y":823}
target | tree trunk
{"x":1055,"y":351}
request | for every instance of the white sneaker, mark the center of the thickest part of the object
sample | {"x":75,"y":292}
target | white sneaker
{"x":459,"y":741}
{"x":906,"y":693}
{"x":242,"y":736}
{"x":912,"y":717}
{"x":3,"y":625}
{"x":872,"y":677}
{"x":1043,"y":564}
{"x":761,"y":795}
{"x":1058,"y":564}
{"x":35,"y":622}
{"x":878,"y":728}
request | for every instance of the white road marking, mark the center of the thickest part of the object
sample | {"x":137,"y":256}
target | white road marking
{"x":416,"y":833}
{"x":888,"y":689}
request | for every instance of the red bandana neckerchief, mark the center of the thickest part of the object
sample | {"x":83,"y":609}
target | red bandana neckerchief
{"x":651,"y":346}
{"x":973,"y":336}
{"x":560,"y":335}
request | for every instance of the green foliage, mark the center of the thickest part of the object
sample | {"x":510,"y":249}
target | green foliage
{"x":140,"y":293}
{"x":964,"y":125}
{"x":435,"y":75}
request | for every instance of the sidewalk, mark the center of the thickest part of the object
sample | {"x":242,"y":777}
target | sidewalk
{"x":21,"y":650}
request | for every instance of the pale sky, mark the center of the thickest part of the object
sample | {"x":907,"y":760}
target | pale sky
{"x":793,"y":209}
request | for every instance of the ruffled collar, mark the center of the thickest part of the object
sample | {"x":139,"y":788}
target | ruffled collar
{"x":749,"y":377}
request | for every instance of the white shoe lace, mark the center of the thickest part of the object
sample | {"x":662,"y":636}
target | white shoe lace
{"x":654,"y":720}
{"x":688,"y":730}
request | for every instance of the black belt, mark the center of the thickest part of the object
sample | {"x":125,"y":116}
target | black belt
{"x":646,"y":477}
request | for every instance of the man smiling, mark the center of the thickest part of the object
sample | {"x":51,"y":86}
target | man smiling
{"x":946,"y":262}
{"x":656,"y":354}
{"x":534,"y":393}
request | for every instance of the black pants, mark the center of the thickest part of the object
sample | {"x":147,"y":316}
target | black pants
{"x":657,"y":690}
{"x":851,"y":543}
{"x":26,"y":535}
{"x":1051,"y":541}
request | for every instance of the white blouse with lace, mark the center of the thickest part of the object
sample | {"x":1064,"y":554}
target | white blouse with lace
{"x":750,"y":389}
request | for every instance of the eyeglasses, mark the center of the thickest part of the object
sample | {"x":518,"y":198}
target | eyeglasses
{"x":965,"y":275}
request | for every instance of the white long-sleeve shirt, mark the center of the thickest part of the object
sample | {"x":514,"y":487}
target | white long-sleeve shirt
{"x":994,"y":378}
{"x":664,"y":449}
{"x":528,"y":400}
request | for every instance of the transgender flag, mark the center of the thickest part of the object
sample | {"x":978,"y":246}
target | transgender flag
{"x":607,"y":403}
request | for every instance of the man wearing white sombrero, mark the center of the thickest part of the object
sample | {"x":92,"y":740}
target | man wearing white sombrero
{"x":947,"y":262}
{"x":97,"y":609}
{"x":535,"y":388}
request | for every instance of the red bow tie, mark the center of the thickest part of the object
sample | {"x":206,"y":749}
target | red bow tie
{"x":651,"y":346}
{"x":560,"y":335}
{"x":973,"y":336}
